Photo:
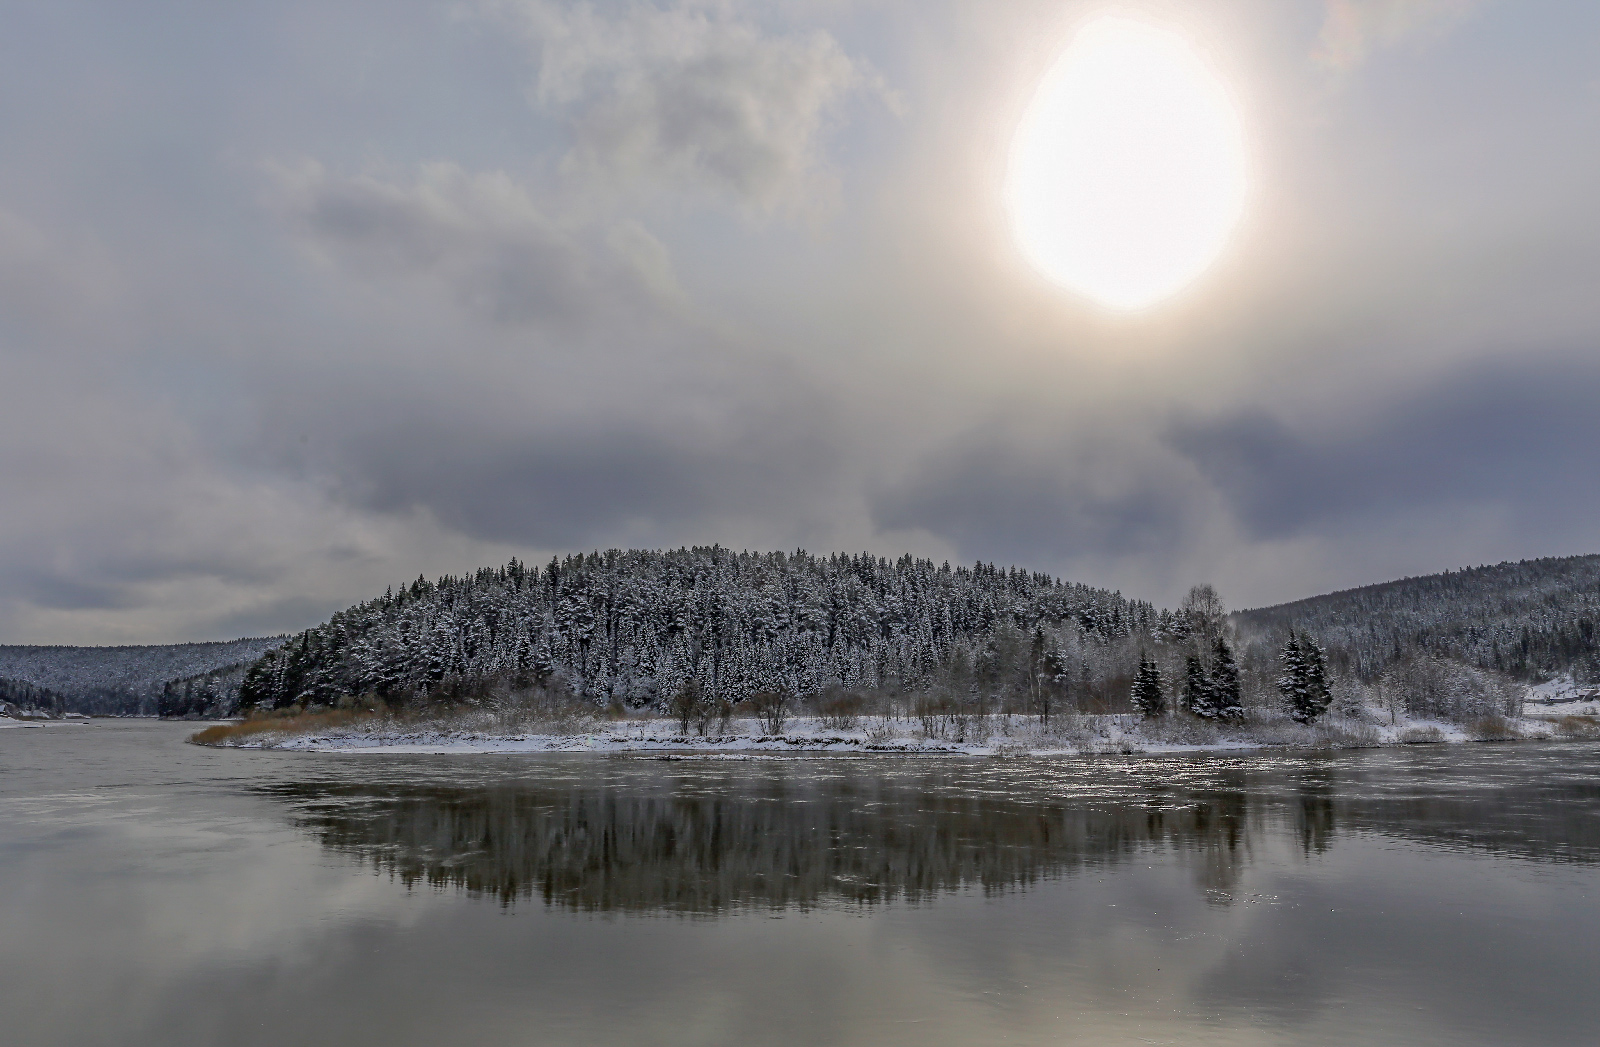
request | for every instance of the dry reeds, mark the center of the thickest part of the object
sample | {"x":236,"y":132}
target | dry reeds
{"x":1584,"y":728}
{"x":1492,"y":728}
{"x":297,"y":721}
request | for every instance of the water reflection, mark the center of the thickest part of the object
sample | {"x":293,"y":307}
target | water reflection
{"x":630,"y":836}
{"x":772,"y":843}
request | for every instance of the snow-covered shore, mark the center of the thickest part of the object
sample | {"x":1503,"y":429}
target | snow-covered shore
{"x":990,"y":736}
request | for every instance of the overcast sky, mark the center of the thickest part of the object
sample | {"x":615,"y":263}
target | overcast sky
{"x":301,"y":298}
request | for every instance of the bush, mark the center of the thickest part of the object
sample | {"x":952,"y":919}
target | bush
{"x":839,"y":710}
{"x":772,"y":708}
{"x":685,"y":704}
{"x":1346,"y":734}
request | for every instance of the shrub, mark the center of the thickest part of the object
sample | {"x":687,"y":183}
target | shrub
{"x":839,"y":710}
{"x":1179,"y":730}
{"x":685,"y":704}
{"x":772,"y":708}
{"x":1346,"y":734}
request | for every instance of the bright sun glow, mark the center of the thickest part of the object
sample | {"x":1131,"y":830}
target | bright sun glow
{"x":1128,"y":172}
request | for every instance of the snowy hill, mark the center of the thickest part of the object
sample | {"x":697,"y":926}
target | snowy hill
{"x":639,"y":626}
{"x":119,"y":680}
{"x":1533,"y":619}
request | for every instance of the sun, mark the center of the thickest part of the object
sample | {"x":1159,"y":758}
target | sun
{"x":1127,"y":173}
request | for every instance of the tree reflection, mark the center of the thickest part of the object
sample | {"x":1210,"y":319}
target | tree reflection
{"x":772,"y":837}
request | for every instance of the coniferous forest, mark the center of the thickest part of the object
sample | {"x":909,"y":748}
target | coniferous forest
{"x":1530,"y":620}
{"x":636,"y":628}
{"x":184,"y":679}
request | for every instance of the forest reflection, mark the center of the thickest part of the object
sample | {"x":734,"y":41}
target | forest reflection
{"x":772,"y":836}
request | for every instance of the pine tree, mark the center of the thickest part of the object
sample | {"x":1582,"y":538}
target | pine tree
{"x":1224,"y":680}
{"x":1148,"y":697}
{"x":1197,"y":695}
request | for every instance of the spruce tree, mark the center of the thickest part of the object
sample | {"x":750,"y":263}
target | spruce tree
{"x":1316,"y":670}
{"x":1292,"y":680}
{"x":1148,"y":696}
{"x":1224,"y":679}
{"x":1197,"y":696}
{"x":1303,"y":683}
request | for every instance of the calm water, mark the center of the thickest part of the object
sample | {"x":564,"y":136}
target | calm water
{"x":154,"y":893}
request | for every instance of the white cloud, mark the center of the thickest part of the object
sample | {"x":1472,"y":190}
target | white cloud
{"x":1353,"y":29}
{"x":691,"y":92}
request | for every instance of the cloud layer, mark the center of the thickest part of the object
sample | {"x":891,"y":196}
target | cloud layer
{"x":327,"y":296}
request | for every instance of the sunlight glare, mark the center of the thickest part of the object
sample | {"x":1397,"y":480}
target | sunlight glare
{"x":1127,"y":173}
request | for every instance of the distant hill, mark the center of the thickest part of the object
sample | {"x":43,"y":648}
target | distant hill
{"x":120,"y":681}
{"x":1532,"y":619}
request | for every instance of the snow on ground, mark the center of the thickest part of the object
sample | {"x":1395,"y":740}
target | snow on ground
{"x":1562,"y":697}
{"x":999,"y":736}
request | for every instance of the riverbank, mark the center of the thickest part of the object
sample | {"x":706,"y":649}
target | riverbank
{"x":995,"y":735}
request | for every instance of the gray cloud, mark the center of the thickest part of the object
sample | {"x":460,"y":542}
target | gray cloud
{"x":1038,"y":498}
{"x":1519,"y":436}
{"x":648,"y":478}
{"x":474,"y":327}
{"x":482,"y":237}
{"x":49,"y":278}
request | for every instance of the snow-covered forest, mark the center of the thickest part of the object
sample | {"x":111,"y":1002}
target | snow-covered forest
{"x":20,"y":695}
{"x":1530,"y":620}
{"x":637,"y":628}
{"x":640,"y":629}
{"x":118,"y":681}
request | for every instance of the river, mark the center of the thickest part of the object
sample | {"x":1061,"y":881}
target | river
{"x":157,"y":893}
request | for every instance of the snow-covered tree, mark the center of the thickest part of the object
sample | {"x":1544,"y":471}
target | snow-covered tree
{"x":1149,"y":697}
{"x":635,"y":626}
{"x":1303,"y":682}
{"x":1198,"y":697}
{"x":1226,"y":694}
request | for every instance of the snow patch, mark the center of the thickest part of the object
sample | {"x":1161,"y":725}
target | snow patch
{"x":1001,"y":736}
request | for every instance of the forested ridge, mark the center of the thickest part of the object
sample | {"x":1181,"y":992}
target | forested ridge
{"x":636,"y":627}
{"x":122,"y":681}
{"x":1532,"y":620}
